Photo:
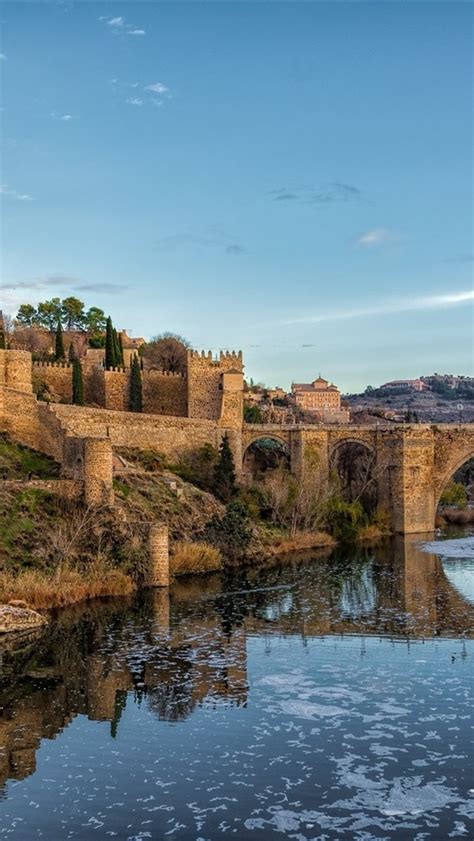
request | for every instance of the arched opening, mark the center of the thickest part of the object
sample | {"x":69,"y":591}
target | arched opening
{"x":456,"y":501}
{"x":263,"y":456}
{"x":354,"y":464}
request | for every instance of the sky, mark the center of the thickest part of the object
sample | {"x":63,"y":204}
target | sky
{"x":289,"y":179}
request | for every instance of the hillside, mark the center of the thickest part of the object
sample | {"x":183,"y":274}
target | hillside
{"x":429,"y":406}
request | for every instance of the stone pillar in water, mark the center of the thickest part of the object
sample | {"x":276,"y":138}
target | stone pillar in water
{"x":158,"y":556}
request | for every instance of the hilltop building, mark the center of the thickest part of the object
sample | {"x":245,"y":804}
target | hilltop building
{"x":412,"y":385}
{"x":320,"y":398}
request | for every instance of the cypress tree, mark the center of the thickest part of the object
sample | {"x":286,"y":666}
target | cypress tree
{"x":3,"y":340}
{"x":77,"y":383}
{"x":116,"y":344}
{"x":120,"y":344}
{"x":59,"y":343}
{"x":224,"y":473}
{"x":110,"y":359}
{"x":71,"y":353}
{"x":136,"y":391}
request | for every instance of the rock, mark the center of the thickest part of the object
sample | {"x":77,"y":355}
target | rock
{"x":13,"y":618}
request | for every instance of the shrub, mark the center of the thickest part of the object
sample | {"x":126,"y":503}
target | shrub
{"x":454,"y":495}
{"x":198,"y":467}
{"x":345,"y":519}
{"x":224,"y":472}
{"x":230,"y":533}
{"x":194,"y":558}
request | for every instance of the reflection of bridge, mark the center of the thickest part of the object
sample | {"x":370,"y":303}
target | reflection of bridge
{"x":412,"y":463}
{"x":200,"y":656}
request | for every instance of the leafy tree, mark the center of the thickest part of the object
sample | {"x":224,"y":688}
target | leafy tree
{"x":95,"y":320}
{"x":253,"y":414}
{"x":27,"y":315}
{"x":77,"y":383}
{"x":136,"y":392}
{"x":110,"y":350}
{"x":224,"y":473}
{"x":166,"y":352}
{"x":454,"y":495}
{"x":232,"y":532}
{"x":59,"y":343}
{"x":345,"y":519}
{"x":49,"y":313}
{"x":72,"y":313}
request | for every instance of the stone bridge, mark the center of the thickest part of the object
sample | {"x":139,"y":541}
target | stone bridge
{"x":412,"y":464}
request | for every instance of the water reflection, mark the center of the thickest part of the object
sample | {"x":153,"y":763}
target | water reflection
{"x":173,"y":655}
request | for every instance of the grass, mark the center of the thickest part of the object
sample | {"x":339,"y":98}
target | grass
{"x":42,"y":590}
{"x":194,"y":558}
{"x":18,"y":462}
{"x":301,"y":540}
{"x":371,"y":532}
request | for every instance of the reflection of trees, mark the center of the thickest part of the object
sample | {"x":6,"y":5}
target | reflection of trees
{"x":95,"y":659}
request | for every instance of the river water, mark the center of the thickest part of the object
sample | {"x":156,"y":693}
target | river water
{"x":324,"y":697}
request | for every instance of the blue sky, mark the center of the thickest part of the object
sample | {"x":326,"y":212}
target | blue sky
{"x":291,"y":179}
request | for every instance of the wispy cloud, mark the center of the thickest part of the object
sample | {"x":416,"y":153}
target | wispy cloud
{"x":61,"y":281}
{"x":134,"y":101}
{"x":3,"y":57}
{"x":218,"y":240}
{"x":324,"y":194}
{"x":389,"y":307}
{"x":377,"y":236}
{"x":119,"y":26}
{"x":10,"y":193}
{"x":157,"y":87}
{"x":65,"y":118}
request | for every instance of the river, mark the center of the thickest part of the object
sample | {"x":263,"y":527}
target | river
{"x":324,"y":697}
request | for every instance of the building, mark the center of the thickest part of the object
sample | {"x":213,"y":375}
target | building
{"x":412,"y":385}
{"x":320,"y":395}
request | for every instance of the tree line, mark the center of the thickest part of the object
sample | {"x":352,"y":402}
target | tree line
{"x":69,"y":312}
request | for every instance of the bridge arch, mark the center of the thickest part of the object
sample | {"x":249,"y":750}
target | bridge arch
{"x":265,"y":452}
{"x":449,"y":475}
{"x":354,"y":461}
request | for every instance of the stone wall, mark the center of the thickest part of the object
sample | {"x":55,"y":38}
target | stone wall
{"x":57,"y":376}
{"x":15,"y":370}
{"x":165,"y":393}
{"x":168,"y":435}
{"x":206,"y":386}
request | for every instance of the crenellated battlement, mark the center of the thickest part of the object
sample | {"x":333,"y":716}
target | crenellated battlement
{"x":44,"y":364}
{"x":224,"y":358}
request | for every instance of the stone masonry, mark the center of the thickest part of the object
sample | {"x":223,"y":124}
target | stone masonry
{"x":414,"y":463}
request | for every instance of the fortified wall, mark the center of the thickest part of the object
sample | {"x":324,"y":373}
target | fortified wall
{"x":211,"y":388}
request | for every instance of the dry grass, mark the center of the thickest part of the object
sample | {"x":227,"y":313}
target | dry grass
{"x":194,"y":558}
{"x":371,"y":532}
{"x":41,"y":590}
{"x":302,"y":540}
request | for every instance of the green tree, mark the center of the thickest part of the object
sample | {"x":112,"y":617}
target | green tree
{"x":72,"y":313}
{"x":95,"y":321}
{"x":136,"y":392}
{"x":232,"y":532}
{"x":120,"y":344}
{"x":59,"y":343}
{"x":224,"y":473}
{"x":27,"y":315}
{"x":71,"y":353}
{"x":117,"y":349}
{"x":49,"y":313}
{"x":454,"y":495}
{"x":77,"y":383}
{"x":110,"y":351}
{"x":253,"y":414}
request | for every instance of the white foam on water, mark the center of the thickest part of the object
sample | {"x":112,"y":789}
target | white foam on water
{"x":462,"y":547}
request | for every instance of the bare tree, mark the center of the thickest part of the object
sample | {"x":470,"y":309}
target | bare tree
{"x":166,"y":352}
